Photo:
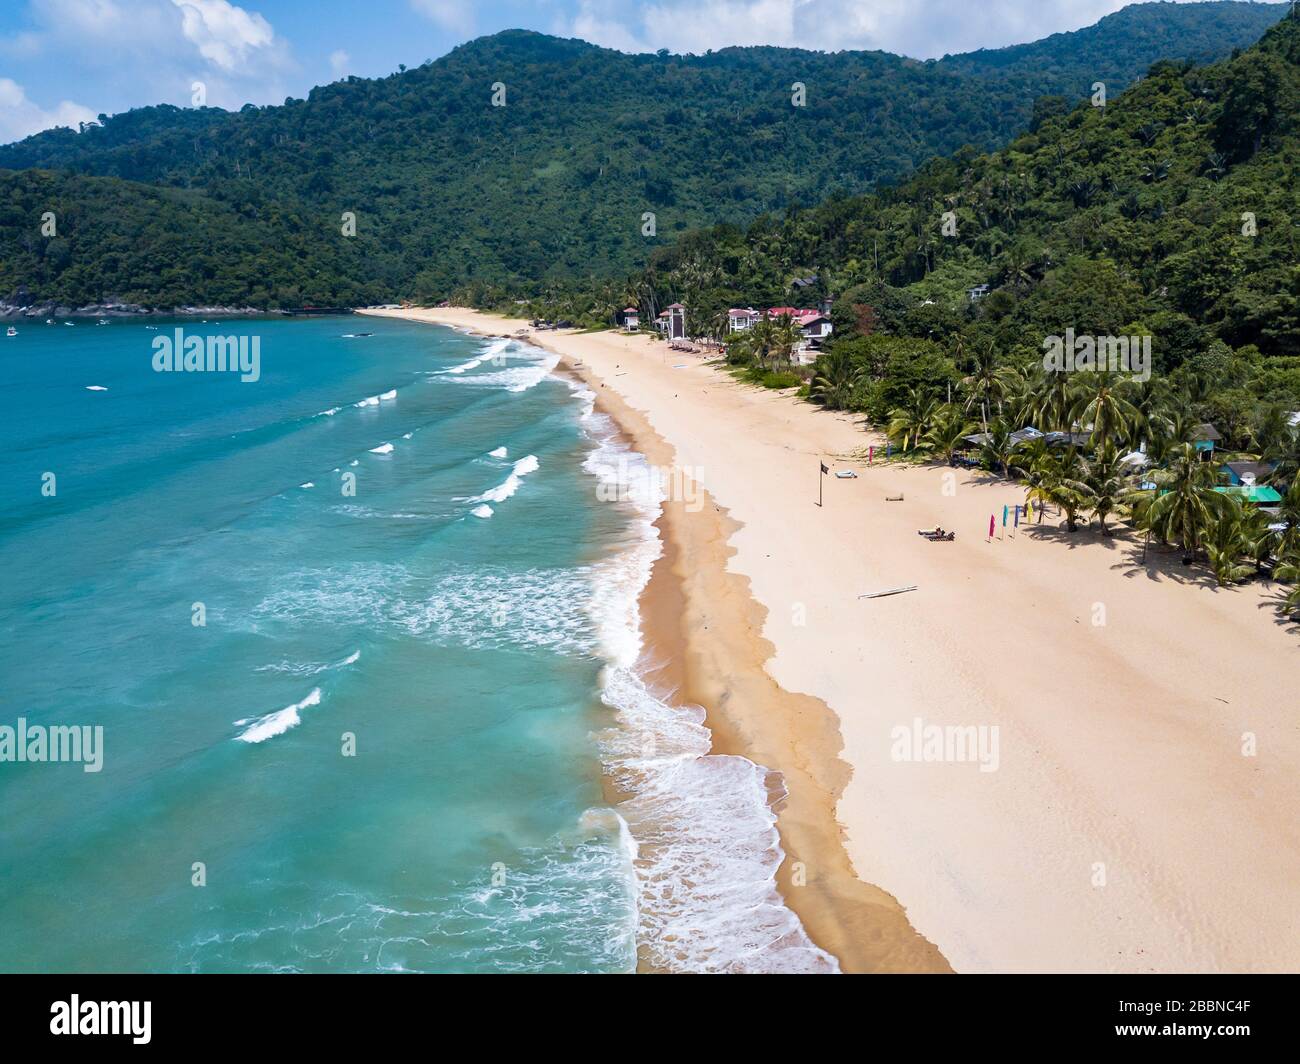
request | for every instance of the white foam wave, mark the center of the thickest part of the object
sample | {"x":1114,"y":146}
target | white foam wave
{"x":307,"y":668}
{"x":277,"y":723}
{"x":383,"y":448}
{"x":707,"y":845}
{"x":392,"y":394}
{"x":484,"y":511}
{"x":95,"y":388}
{"x":510,"y":485}
{"x":372,"y":400}
{"x":499,"y":452}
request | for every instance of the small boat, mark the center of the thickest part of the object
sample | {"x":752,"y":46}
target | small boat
{"x":11,"y":331}
{"x":102,"y":321}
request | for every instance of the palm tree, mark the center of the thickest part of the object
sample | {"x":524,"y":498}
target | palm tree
{"x":1288,"y":570}
{"x":1058,"y":477}
{"x":1104,"y":404}
{"x":997,"y":449}
{"x":1055,"y":395}
{"x":910,"y":421}
{"x":1184,"y":505}
{"x":836,"y":378}
{"x":1227,"y":540}
{"x":948,"y":427}
{"x":1106,"y":478}
{"x":983,"y":383}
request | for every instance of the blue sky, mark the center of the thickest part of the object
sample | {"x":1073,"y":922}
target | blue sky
{"x":64,"y":61}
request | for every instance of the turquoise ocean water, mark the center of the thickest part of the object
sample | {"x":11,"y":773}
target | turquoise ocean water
{"x":416,"y":555}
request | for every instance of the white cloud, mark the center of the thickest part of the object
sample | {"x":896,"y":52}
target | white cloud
{"x":20,"y":117}
{"x":922,"y":30}
{"x":224,"y":34}
{"x":339,"y":61}
{"x":152,"y":51}
{"x":455,"y":15}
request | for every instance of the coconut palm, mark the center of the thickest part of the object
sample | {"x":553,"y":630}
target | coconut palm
{"x":1288,"y":570}
{"x":909,"y":422}
{"x":997,"y":449}
{"x":1058,"y":477}
{"x":948,"y":427}
{"x":836,"y":378}
{"x":1104,"y":403}
{"x":983,"y":384}
{"x":1054,"y":398}
{"x":1184,"y":505}
{"x":1227,"y":540}
{"x":1108,"y":485}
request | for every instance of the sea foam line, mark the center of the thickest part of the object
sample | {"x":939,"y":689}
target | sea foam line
{"x":707,"y":844}
{"x":277,"y":723}
{"x":510,"y":485}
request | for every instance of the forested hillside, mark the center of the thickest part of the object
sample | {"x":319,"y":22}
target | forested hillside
{"x":165,"y":206}
{"x":1174,"y":208}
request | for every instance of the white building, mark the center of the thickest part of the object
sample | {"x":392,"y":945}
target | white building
{"x":741,"y":318}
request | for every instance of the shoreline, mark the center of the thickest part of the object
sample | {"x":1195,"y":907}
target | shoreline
{"x":795,"y":737}
{"x":1125,"y":827}
{"x":748,"y":715}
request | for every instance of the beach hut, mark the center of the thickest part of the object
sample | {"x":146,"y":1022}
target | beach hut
{"x":1247,"y":472}
{"x":1205,"y":437}
{"x":631,"y":319}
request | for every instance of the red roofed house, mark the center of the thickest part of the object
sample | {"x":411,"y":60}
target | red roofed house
{"x":631,"y":319}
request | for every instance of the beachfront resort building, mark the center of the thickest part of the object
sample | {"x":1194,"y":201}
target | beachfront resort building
{"x":672,"y":322}
{"x":631,"y":319}
{"x":741,"y":318}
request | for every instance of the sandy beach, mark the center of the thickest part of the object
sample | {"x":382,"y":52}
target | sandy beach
{"x":1134,"y":805}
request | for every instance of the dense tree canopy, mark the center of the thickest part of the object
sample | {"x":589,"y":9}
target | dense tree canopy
{"x":165,"y":204}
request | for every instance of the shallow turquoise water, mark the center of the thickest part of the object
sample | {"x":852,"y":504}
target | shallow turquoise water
{"x":462,"y":653}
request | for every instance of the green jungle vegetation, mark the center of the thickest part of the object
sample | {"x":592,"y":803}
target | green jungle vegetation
{"x":166,"y":206}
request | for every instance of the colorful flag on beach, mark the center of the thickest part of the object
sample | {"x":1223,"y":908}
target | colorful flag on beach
{"x":1004,"y":517}
{"x":991,"y":526}
{"x":1017,"y":517}
{"x":825,"y":469}
{"x":871,"y":453}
